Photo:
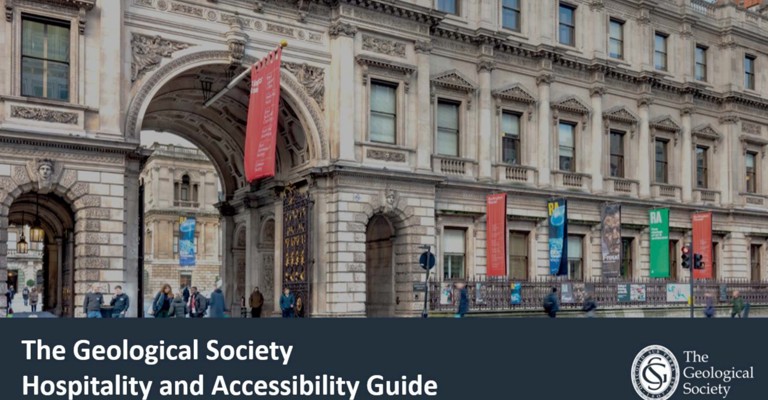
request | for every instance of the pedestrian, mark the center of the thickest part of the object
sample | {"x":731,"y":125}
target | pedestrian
{"x":93,"y":302}
{"x":590,"y":306}
{"x":161,"y":306}
{"x":218,"y":304}
{"x":8,"y":298}
{"x":25,"y":295}
{"x":256,"y":302}
{"x":709,"y":309}
{"x":11,"y":295}
{"x":737,"y":305}
{"x":33,"y":298}
{"x":197,"y":304}
{"x":185,"y":293}
{"x":120,"y":303}
{"x":552,"y":304}
{"x":287,"y":302}
{"x":178,"y":307}
{"x":463,"y":300}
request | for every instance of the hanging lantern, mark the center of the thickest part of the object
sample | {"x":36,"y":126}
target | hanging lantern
{"x":21,"y":245}
{"x":36,"y":232}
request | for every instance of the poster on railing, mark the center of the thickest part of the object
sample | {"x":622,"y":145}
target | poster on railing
{"x":678,"y":292}
{"x":702,"y":243}
{"x":496,"y":234}
{"x":659,"y":233}
{"x":187,"y":241}
{"x":566,"y":293}
{"x":610,"y":243}
{"x":558,"y":230}
{"x":479,"y":293}
{"x":446,"y":294}
{"x":515,"y":296}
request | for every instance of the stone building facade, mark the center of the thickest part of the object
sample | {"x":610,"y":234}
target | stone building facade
{"x":398,"y":118}
{"x":179,"y":182}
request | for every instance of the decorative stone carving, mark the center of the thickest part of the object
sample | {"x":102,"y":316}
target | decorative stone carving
{"x":391,"y":197}
{"x":486,"y":65}
{"x":382,"y":155}
{"x":598,"y":91}
{"x":149,"y":51}
{"x":44,"y":115}
{"x":20,"y":175}
{"x":730,"y":119}
{"x":383,"y":46}
{"x":236,"y":40}
{"x":706,"y":131}
{"x":312,"y":78}
{"x":620,"y":114}
{"x":423,"y":46}
{"x":82,"y":5}
{"x":751,"y":128}
{"x":394,"y":69}
{"x":516,"y":93}
{"x":44,"y":170}
{"x":571,"y":104}
{"x":665,"y":123}
{"x":645,"y":101}
{"x":184,"y":9}
{"x":339,"y":28}
{"x":454,"y":80}
{"x":545,"y":79}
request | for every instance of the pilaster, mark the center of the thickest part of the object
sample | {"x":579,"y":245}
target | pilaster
{"x":643,"y":162}
{"x":597,"y":156}
{"x":485,"y":137}
{"x":342,"y":112}
{"x":543,"y":82}
{"x":686,"y":150}
{"x":425,"y":131}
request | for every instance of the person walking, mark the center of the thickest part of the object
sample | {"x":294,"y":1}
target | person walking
{"x":185,"y":294}
{"x":287,"y":303}
{"x":120,"y":303}
{"x":197,"y":304}
{"x":93,"y":302}
{"x":552,"y":304}
{"x":161,"y":306}
{"x":737,"y":305}
{"x":25,"y":295}
{"x":178,"y":307}
{"x":463,"y":300}
{"x":709,"y":309}
{"x":34,"y":298}
{"x":590,"y":306}
{"x":218,"y":304}
{"x":256,"y":302}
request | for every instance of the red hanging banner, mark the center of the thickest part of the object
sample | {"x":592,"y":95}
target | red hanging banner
{"x":496,"y":234}
{"x":702,"y":243}
{"x":261,"y":131}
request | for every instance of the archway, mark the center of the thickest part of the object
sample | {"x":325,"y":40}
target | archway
{"x":380,"y":271}
{"x":55,"y":279}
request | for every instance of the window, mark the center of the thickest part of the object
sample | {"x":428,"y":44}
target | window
{"x":673,"y":260}
{"x":617,"y":154}
{"x":510,"y":138}
{"x":44,"y":58}
{"x":448,"y":6}
{"x":184,"y":192}
{"x":453,"y":253}
{"x":751,"y":178}
{"x":701,"y":167}
{"x":510,"y":14}
{"x":185,"y":279}
{"x":749,"y":72}
{"x":754,"y":261}
{"x":567,"y":25}
{"x":700,"y":64}
{"x":567,"y":148}
{"x":575,"y":262}
{"x":660,"y":51}
{"x":176,"y":242}
{"x":383,"y":122}
{"x":626,"y":258}
{"x":616,"y":39}
{"x":448,"y":128}
{"x":661,"y":162}
{"x":518,"y":255}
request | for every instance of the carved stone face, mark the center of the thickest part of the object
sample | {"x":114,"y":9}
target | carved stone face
{"x":45,"y":171}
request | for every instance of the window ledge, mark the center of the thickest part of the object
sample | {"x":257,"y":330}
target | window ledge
{"x":513,"y":33}
{"x":48,"y":102}
{"x":386,"y":146}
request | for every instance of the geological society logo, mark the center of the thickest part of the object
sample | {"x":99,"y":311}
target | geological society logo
{"x":655,"y":373}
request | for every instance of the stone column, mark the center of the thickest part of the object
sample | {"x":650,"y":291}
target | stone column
{"x":485,"y":136}
{"x":111,"y":67}
{"x":731,"y":166}
{"x":685,"y":54}
{"x":645,"y":155}
{"x":424,"y":104}
{"x":60,"y":273}
{"x":3,"y":257}
{"x":598,"y":153}
{"x":227,"y":269}
{"x":686,"y":150}
{"x":278,"y":282}
{"x":131,"y":231}
{"x":342,"y":86}
{"x":543,"y":154}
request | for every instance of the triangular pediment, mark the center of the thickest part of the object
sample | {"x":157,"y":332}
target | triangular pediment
{"x":515,"y":92}
{"x":454,"y":80}
{"x":706,"y":131}
{"x":572,"y":104}
{"x":665,"y":122}
{"x":620,"y":114}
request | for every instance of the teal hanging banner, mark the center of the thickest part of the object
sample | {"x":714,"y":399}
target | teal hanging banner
{"x":187,"y":242}
{"x":558,"y":233}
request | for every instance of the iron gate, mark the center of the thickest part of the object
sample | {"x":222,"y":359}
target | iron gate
{"x":296,"y":251}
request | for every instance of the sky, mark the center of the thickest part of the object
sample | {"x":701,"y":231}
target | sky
{"x":150,"y":137}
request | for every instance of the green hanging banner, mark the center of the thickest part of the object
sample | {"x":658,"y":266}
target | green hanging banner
{"x":659,"y":231}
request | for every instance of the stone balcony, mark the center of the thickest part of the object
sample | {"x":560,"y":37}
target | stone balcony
{"x":506,"y":173}
{"x":753,"y":200}
{"x":666,"y":192}
{"x":621,"y":186}
{"x":454,"y":166}
{"x":572,"y":180}
{"x":706,"y":196}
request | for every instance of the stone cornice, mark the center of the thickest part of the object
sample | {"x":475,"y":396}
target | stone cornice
{"x":400,"y":9}
{"x":65,"y":143}
{"x":376,"y":62}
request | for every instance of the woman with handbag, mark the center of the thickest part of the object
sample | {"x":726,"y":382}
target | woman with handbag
{"x":161,"y":306}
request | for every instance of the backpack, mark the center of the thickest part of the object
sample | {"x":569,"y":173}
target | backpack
{"x":204,"y":303}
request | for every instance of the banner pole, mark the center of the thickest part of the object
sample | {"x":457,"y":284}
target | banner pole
{"x":691,"y":269}
{"x":235,"y":81}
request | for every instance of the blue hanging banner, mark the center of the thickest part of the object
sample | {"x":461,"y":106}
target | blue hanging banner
{"x":187,"y":242}
{"x":558,"y":234}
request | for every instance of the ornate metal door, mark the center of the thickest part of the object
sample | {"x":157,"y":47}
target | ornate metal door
{"x":296,"y":252}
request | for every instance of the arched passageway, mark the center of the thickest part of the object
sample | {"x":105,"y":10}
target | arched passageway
{"x":380,"y":267}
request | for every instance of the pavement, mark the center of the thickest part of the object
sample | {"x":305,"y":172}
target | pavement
{"x":18,"y":304}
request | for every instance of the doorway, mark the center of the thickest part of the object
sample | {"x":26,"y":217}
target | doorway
{"x":380,"y":271}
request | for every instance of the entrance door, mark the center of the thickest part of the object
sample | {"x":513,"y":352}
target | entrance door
{"x":380,"y":272}
{"x":13,"y":280}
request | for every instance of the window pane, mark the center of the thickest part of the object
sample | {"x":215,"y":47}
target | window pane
{"x":33,"y":34}
{"x":453,"y":240}
{"x":615,"y":49}
{"x":566,"y":35}
{"x":32,"y":76}
{"x":748,"y":64}
{"x":700,"y":55}
{"x":617,"y":143}
{"x":510,"y":124}
{"x":514,"y":4}
{"x":382,"y":128}
{"x":661,"y":44}
{"x":661,"y":151}
{"x":58,"y":43}
{"x":574,"y":247}
{"x":566,"y":15}
{"x":750,"y":161}
{"x":58,"y":81}
{"x":448,"y":142}
{"x":448,"y":115}
{"x":448,"y":6}
{"x":518,"y":255}
{"x":383,"y":98}
{"x":510,"y":150}
{"x":566,"y":135}
{"x":616,"y":30}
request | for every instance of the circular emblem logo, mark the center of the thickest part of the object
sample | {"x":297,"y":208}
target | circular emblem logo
{"x":655,"y":373}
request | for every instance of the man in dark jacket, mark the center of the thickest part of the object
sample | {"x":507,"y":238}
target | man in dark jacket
{"x":185,"y":294}
{"x":256,"y":301}
{"x":93,"y":302}
{"x":552,"y":304}
{"x":463,"y":299}
{"x":218,"y":304}
{"x":287,"y":302}
{"x":119,"y":303}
